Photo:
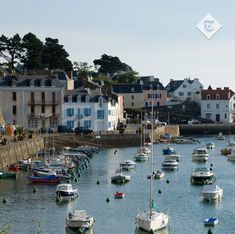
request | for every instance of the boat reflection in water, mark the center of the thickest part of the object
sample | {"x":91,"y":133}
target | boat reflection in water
{"x":70,"y":231}
{"x":162,"y":231}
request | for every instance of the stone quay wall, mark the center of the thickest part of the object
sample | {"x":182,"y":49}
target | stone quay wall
{"x":13,"y":152}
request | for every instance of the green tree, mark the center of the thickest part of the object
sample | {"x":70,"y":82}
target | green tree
{"x":127,"y":77}
{"x":11,"y":49}
{"x":83,"y":69}
{"x":33,"y":49}
{"x":109,"y":65}
{"x":55,"y":56}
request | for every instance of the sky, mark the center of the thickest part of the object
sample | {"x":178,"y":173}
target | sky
{"x":154,"y":37}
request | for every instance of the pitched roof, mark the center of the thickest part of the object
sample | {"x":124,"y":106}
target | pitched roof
{"x":217,"y":94}
{"x":173,"y":85}
{"x":127,"y":88}
{"x":154,"y":85}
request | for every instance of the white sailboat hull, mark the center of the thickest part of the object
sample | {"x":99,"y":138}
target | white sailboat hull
{"x":155,"y":221}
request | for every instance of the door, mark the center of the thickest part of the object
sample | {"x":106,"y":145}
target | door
{"x":217,"y":117}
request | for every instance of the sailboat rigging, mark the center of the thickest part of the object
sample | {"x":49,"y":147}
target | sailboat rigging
{"x":151,"y":220}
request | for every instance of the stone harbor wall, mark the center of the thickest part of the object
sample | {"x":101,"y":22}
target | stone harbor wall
{"x":16,"y":151}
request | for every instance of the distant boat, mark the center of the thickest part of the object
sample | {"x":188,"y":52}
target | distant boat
{"x":212,"y":192}
{"x":200,"y":154}
{"x":202,"y":175}
{"x":210,"y":145}
{"x":231,"y":156}
{"x":79,"y":221}
{"x":156,"y":175}
{"x":7,"y":175}
{"x":220,"y":136}
{"x":52,"y":179}
{"x":211,"y":221}
{"x":170,"y":164}
{"x":127,"y":165}
{"x":119,"y":195}
{"x":66,"y":192}
{"x":120,"y":178}
{"x":168,"y":150}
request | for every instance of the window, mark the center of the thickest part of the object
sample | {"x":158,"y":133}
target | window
{"x":100,"y":114}
{"x":158,"y":103}
{"x":184,"y":86}
{"x":217,"y":96}
{"x":109,"y":124}
{"x":43,"y":109}
{"x":32,"y":97}
{"x":14,"y":110}
{"x":70,"y":98}
{"x":132,"y":104}
{"x":146,"y":103}
{"x":109,"y":112}
{"x":87,"y":111}
{"x":150,"y":95}
{"x":32,"y":123}
{"x":70,"y":112}
{"x":53,"y":97}
{"x":208,"y":115}
{"x":43,"y":98}
{"x":14,"y":96}
{"x":53,"y":110}
{"x":208,"y":106}
{"x":156,"y":95}
{"x":181,"y":94}
{"x":160,"y":95}
{"x":32,"y":110}
{"x":70,"y":124}
{"x":189,"y":93}
{"x":132,"y":97}
{"x":87,"y":124}
{"x":208,"y":96}
{"x":217,"y":106}
{"x":225,"y":116}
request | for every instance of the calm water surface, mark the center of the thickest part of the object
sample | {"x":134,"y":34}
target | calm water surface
{"x":24,"y":209}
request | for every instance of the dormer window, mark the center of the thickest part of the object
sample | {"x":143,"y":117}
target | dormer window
{"x":208,"y":96}
{"x":87,"y":98}
{"x":53,"y":83}
{"x":217,"y":96}
{"x":70,"y":98}
{"x":42,"y":83}
{"x":78,"y":98}
{"x":32,"y":83}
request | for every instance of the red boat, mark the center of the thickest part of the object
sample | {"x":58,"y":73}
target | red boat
{"x":13,"y":167}
{"x":119,"y":195}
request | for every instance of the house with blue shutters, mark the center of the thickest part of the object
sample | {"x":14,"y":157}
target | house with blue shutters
{"x":91,"y":109}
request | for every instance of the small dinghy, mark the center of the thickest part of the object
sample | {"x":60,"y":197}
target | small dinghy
{"x":211,"y":221}
{"x":119,"y":195}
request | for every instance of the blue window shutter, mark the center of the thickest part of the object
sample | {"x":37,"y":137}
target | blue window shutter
{"x":68,"y":124}
{"x":72,"y":114}
{"x":68,"y":111}
{"x":72,"y":124}
{"x":85,"y":111}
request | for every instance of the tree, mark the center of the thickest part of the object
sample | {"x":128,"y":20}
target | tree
{"x":83,"y":69}
{"x":126,"y":77}
{"x":109,"y":65}
{"x":11,"y":49}
{"x":55,"y":56}
{"x":33,"y":49}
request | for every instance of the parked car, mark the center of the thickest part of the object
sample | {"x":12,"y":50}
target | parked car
{"x":64,"y":129}
{"x":83,"y":131}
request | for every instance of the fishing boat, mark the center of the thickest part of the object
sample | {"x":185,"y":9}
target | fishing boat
{"x":212,"y":192}
{"x":202,"y":175}
{"x":200,"y":154}
{"x":127,"y":165}
{"x":52,"y":179}
{"x":151,"y":220}
{"x":66,"y":192}
{"x":211,"y":221}
{"x":119,"y":195}
{"x":79,"y":221}
{"x":7,"y":175}
{"x":120,"y":178}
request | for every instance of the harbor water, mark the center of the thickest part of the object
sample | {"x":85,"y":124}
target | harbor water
{"x":28,"y":212}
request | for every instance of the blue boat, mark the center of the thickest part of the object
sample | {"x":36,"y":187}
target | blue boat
{"x":168,"y":151}
{"x":52,"y":179}
{"x":211,"y":221}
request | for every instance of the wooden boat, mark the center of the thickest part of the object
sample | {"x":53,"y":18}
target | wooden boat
{"x":119,"y":195}
{"x":52,"y":179}
{"x":7,"y":175}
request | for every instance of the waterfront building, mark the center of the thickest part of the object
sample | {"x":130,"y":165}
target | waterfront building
{"x":91,"y":109}
{"x":132,"y":95}
{"x":33,"y":102}
{"x":186,"y":89}
{"x":218,"y":104}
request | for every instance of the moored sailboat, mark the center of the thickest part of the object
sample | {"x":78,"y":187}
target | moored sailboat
{"x":151,"y":220}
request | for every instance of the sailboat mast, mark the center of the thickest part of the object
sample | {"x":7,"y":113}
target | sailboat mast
{"x":151,"y":166}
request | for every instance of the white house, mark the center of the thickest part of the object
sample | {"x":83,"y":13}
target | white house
{"x":186,"y":89}
{"x":91,"y":109}
{"x":218,"y":104}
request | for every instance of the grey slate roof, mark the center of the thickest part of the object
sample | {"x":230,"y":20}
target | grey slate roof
{"x":127,"y":88}
{"x":153,"y":85}
{"x":173,"y":85}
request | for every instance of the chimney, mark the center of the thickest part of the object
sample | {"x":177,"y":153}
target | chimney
{"x":218,"y":88}
{"x":226,"y":88}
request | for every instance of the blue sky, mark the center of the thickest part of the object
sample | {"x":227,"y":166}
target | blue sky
{"x":155,"y":37}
